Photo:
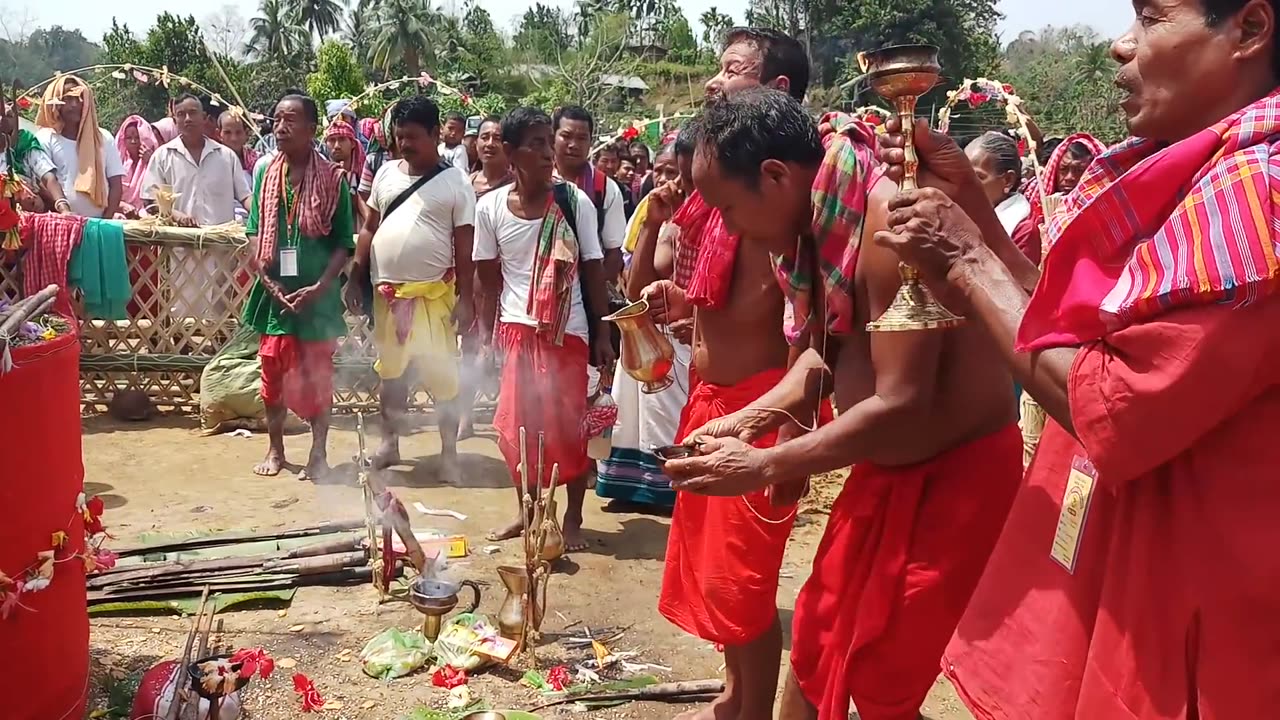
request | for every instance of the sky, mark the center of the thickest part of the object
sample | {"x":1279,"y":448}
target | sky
{"x":93,"y":17}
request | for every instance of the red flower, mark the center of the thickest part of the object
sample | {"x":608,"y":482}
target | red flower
{"x":8,"y":216}
{"x":387,"y":291}
{"x":93,"y":516}
{"x":872,"y":119}
{"x":1022,"y":146}
{"x":976,"y":99}
{"x":449,"y":678}
{"x":466,"y":99}
{"x":310,"y":697}
{"x":254,"y":660}
{"x":558,"y":677}
{"x":1008,"y":89}
{"x":24,"y":102}
{"x":631,"y":133}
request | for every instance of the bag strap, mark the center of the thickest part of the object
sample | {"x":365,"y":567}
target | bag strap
{"x":599,"y":192}
{"x":415,"y":187}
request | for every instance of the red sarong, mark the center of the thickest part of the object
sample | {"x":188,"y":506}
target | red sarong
{"x":720,"y":581}
{"x":903,"y":550}
{"x":544,"y":389}
{"x":297,"y":374}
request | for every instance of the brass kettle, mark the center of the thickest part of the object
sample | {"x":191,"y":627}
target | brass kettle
{"x":647,"y":356}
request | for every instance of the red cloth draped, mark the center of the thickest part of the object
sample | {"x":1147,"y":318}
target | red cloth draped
{"x":543,"y":389}
{"x":903,"y":550}
{"x":46,"y":672}
{"x":702,"y":226}
{"x":297,"y":373}
{"x":720,"y":581}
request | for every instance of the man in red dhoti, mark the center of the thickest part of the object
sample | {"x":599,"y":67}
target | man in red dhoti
{"x":1136,"y":576}
{"x":724,"y":554}
{"x":532,"y":240}
{"x":925,"y":418}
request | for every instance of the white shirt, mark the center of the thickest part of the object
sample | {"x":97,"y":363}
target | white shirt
{"x":64,"y":152}
{"x":415,"y":243}
{"x":1013,"y":210}
{"x":208,"y":188}
{"x":457,"y":157}
{"x":613,"y":235}
{"x":34,"y":166}
{"x":500,"y":235}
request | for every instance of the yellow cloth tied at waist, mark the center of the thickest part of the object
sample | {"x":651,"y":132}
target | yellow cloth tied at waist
{"x":417,"y":326}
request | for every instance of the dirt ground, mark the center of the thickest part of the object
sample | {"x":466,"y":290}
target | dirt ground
{"x":161,"y":476}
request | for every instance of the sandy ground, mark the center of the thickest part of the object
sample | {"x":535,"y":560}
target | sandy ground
{"x":162,"y":476}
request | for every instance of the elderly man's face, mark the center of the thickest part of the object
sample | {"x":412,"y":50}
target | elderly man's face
{"x":1174,"y":68}
{"x":740,"y":67}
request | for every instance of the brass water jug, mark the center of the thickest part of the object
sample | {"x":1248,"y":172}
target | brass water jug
{"x":647,"y":355}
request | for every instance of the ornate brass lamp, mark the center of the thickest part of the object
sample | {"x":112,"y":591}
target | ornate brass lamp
{"x":901,"y":74}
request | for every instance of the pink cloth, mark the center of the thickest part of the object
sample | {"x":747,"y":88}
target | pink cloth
{"x":49,"y":239}
{"x":135,"y":171}
{"x":167,"y":128}
{"x":702,"y":226}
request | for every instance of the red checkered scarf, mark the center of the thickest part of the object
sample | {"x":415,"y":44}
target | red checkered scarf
{"x":555,"y":270}
{"x":340,"y":128}
{"x":840,"y":189}
{"x":686,"y":254}
{"x":702,"y":226}
{"x":317,"y":199}
{"x":50,"y":239}
{"x":1152,"y":228}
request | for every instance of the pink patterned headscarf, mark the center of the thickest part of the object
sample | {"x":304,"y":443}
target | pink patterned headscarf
{"x":135,"y":170}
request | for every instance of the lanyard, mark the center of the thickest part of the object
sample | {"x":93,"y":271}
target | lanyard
{"x":293,"y":230}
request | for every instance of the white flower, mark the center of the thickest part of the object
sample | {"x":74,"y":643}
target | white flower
{"x":36,"y":584}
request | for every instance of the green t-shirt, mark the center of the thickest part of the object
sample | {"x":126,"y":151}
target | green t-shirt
{"x":322,"y":319}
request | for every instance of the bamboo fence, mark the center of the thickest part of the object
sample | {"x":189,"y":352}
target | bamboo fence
{"x":188,"y":286}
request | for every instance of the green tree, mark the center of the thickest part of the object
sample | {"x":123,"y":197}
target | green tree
{"x":40,"y":54}
{"x":320,"y":17}
{"x":402,"y":34}
{"x":1065,"y":77}
{"x":543,"y":32}
{"x":276,"y":33}
{"x":675,"y":34}
{"x":337,"y":74}
{"x":173,"y":42}
{"x":485,"y":55}
{"x":715,"y":25}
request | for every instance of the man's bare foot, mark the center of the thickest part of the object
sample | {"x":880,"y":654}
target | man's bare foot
{"x":317,"y":467}
{"x":514,"y":530}
{"x":388,"y":454}
{"x":271,"y":465}
{"x":450,"y":473}
{"x":466,"y":430}
{"x":724,"y":707}
{"x":573,"y":539}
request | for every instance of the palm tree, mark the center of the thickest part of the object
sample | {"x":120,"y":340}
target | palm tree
{"x":356,"y":28}
{"x":275,"y":33}
{"x":402,"y":31}
{"x":321,"y":17}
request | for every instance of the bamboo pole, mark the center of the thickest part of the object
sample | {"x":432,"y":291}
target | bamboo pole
{"x":661,"y":691}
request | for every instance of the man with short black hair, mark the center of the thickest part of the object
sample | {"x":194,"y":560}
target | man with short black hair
{"x":533,"y":238}
{"x":925,"y":418}
{"x":755,"y":56}
{"x":1136,"y":575}
{"x":452,"y":149}
{"x":574,"y":128}
{"x":415,"y":250}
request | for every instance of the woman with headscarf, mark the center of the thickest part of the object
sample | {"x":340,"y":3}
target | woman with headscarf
{"x":1062,"y":172}
{"x":84,"y":155}
{"x":135,"y":141}
{"x":999,"y":168}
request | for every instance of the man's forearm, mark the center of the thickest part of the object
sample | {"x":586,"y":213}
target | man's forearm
{"x":337,"y":261}
{"x":115,"y":190}
{"x":999,"y":302}
{"x":869,"y":426}
{"x":597,"y":299}
{"x":611,"y":266}
{"x":54,"y":188}
{"x":642,"y":272}
{"x":464,"y":265}
{"x":978,"y":208}
{"x":798,"y":392}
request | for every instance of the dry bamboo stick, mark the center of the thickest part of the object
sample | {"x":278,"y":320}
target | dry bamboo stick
{"x":653,"y":692}
{"x":174,"y":711}
{"x":27,"y":308}
{"x":324,"y":528}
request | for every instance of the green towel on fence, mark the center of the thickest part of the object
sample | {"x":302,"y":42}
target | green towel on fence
{"x":98,"y":267}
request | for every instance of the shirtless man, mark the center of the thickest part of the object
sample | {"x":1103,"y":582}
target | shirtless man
{"x":925,"y":417}
{"x":724,"y":554}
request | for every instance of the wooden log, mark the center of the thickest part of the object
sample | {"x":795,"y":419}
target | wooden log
{"x":325,"y":528}
{"x":27,"y":308}
{"x":661,"y":691}
{"x":349,"y":576}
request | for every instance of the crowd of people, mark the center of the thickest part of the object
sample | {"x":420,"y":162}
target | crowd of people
{"x":1123,"y":574}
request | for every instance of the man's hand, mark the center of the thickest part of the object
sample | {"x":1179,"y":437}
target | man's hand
{"x":181,"y":219}
{"x":682,"y":331}
{"x":603,"y":349}
{"x":747,"y":425}
{"x":726,"y":467}
{"x":353,"y":296}
{"x":667,"y":302}
{"x":930,"y":232}
{"x":943,"y":165}
{"x":299,"y":299}
{"x":464,"y":313}
{"x":276,"y":293}
{"x":663,"y":201}
{"x":788,"y":492}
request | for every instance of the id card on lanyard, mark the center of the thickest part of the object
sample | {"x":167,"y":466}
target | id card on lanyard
{"x":292,"y":234}
{"x":1075,"y":513}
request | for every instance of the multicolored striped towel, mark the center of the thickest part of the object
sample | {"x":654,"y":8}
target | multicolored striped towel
{"x":1151,"y":229}
{"x":849,"y":171}
{"x":555,"y":271}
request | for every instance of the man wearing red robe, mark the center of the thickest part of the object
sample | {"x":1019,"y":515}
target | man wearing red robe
{"x":925,"y":417}
{"x":1137,"y":574}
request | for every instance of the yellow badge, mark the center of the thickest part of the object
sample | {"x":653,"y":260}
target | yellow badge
{"x":1075,"y":511}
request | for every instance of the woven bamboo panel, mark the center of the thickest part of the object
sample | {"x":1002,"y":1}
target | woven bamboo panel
{"x":187,"y":295}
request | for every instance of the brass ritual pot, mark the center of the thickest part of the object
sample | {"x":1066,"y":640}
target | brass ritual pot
{"x":647,"y":356}
{"x":437,"y":598}
{"x":511,"y":614}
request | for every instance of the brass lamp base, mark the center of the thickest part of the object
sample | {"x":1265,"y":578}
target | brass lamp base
{"x":914,"y":308}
